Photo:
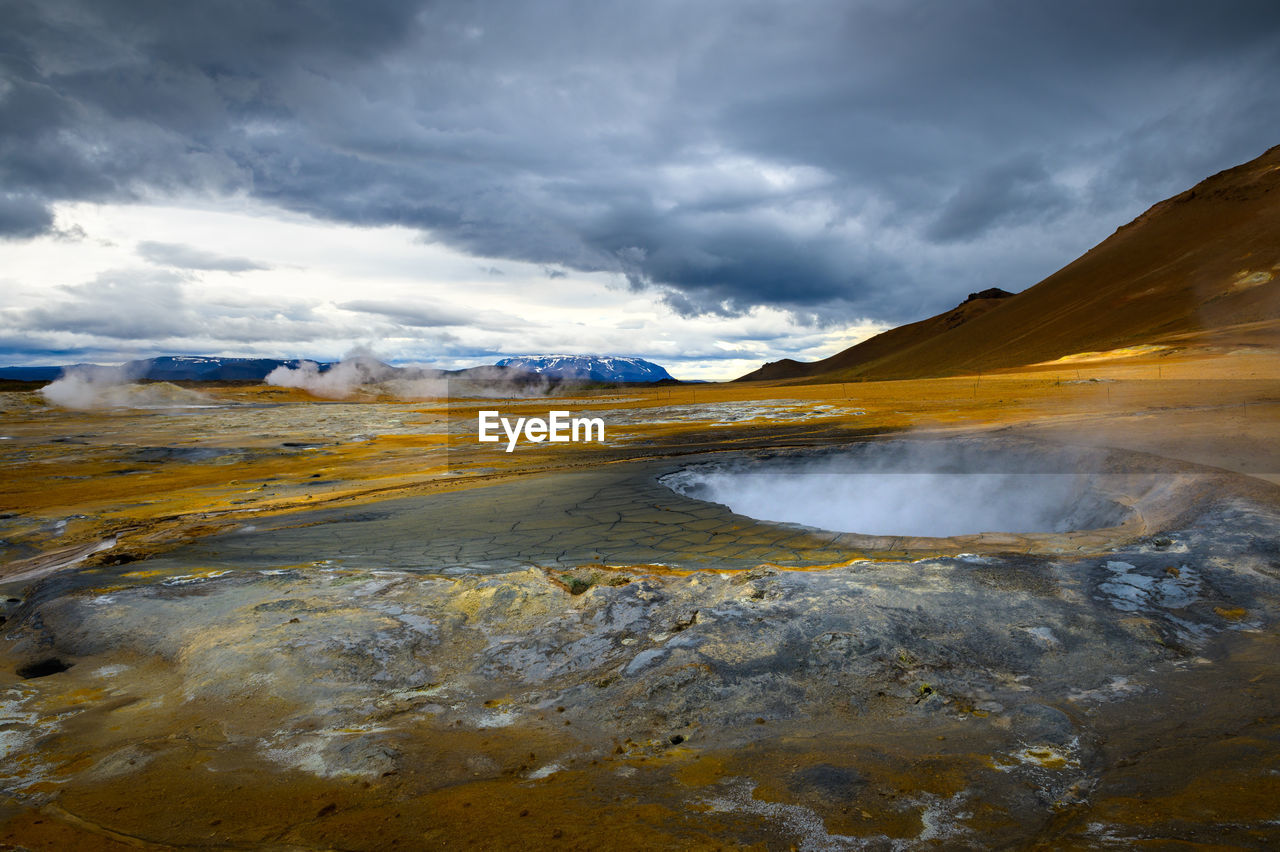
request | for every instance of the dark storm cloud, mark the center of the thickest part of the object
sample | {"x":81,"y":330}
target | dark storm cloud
{"x":191,"y":257}
{"x":23,"y":216}
{"x":876,"y":158}
{"x":1012,"y":192}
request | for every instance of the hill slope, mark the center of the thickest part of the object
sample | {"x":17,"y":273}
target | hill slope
{"x":904,"y":338}
{"x":1205,"y":260}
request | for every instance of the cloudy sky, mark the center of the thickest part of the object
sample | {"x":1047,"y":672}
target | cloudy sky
{"x":709,"y":185}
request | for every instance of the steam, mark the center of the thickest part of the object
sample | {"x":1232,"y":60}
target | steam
{"x":505,"y":383}
{"x":932,"y":492}
{"x":87,"y":387}
{"x":360,"y":374}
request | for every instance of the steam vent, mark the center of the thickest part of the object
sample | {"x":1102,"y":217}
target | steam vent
{"x":625,"y":426}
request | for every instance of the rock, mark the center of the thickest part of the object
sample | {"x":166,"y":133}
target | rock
{"x":643,"y":659}
{"x":43,"y":668}
{"x":827,"y":781}
{"x":1043,"y":724}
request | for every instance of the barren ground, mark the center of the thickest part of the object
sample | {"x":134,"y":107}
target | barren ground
{"x":292,"y":623}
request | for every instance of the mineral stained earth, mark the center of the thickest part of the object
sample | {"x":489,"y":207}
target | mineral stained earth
{"x":261,"y":620}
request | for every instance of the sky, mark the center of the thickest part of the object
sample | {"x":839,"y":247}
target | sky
{"x":708,"y":185}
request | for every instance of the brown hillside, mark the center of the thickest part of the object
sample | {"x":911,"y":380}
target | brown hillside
{"x":896,"y":340}
{"x":1203,"y":261}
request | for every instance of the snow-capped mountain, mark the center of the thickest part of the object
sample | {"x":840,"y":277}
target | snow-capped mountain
{"x":201,"y":369}
{"x":594,"y":368}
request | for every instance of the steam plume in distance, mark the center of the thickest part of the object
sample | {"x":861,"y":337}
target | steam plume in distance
{"x":87,"y":387}
{"x":360,"y":374}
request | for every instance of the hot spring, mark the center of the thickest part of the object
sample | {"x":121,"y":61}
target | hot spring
{"x":927,"y":489}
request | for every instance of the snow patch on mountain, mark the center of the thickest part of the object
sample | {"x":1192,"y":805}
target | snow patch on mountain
{"x":594,"y":368}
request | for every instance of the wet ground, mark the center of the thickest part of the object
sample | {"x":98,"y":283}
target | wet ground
{"x":629,"y":514}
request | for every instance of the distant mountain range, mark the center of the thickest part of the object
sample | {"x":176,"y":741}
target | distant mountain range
{"x":591,"y":368}
{"x":171,"y":368}
{"x":178,"y":368}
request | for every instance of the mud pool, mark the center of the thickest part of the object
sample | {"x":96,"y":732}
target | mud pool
{"x":910,"y":488}
{"x":594,"y":659}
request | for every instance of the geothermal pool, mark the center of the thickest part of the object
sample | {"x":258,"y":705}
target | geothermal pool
{"x":901,"y":489}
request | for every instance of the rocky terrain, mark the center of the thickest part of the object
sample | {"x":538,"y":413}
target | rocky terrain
{"x":260,"y":620}
{"x":356,"y":663}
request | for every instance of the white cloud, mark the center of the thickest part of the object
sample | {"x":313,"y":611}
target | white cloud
{"x":317,"y":289}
